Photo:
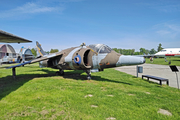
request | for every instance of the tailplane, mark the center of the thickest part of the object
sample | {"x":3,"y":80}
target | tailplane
{"x":40,"y":50}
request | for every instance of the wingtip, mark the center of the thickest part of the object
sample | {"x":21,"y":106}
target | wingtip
{"x":28,"y":62}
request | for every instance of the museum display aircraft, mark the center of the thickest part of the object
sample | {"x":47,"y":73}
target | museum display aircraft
{"x":8,"y":55}
{"x":92,"y":58}
{"x":169,"y":52}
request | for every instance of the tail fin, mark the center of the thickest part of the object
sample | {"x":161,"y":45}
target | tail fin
{"x":21,"y":50}
{"x":39,"y":49}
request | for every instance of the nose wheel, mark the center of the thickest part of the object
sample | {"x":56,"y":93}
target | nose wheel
{"x":88,"y":74}
{"x":60,"y":72}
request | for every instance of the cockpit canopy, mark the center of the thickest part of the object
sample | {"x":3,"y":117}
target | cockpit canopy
{"x":100,"y":48}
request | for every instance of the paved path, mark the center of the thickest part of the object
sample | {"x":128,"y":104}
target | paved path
{"x":163,"y":71}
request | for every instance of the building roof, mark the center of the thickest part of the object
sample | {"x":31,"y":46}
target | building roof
{"x":7,"y":48}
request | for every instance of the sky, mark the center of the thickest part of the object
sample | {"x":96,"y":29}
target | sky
{"x":61,"y":24}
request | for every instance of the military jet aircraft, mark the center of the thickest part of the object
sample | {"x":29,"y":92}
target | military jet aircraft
{"x":92,"y":58}
{"x":7,"y":52}
{"x":8,"y":55}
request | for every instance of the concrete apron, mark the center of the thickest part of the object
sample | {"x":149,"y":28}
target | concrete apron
{"x":163,"y":71}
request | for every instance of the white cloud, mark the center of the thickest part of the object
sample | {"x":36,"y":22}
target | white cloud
{"x":33,"y":8}
{"x":174,"y":28}
{"x":167,"y":30}
{"x":169,"y":8}
{"x":163,"y":32}
{"x":166,"y":6}
{"x":29,"y":8}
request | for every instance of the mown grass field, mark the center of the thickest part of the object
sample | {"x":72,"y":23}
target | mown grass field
{"x":161,"y":61}
{"x":38,"y":94}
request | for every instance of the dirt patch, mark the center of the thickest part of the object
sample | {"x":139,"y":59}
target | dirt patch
{"x":103,"y":89}
{"x":53,"y":117}
{"x":110,"y":95}
{"x":131,"y":94}
{"x":29,"y":107}
{"x":60,"y":113}
{"x":164,"y":112}
{"x":147,"y":92}
{"x":94,"y":106}
{"x":44,"y":112}
{"x":110,"y":118}
{"x":53,"y":110}
{"x":88,"y":95}
{"x":22,"y":114}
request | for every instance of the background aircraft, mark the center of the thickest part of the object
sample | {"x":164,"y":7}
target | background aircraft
{"x":169,"y":52}
{"x":90,"y":58}
{"x":8,"y":54}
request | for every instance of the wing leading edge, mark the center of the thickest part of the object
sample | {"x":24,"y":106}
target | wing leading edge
{"x":6,"y":37}
{"x":37,"y":60}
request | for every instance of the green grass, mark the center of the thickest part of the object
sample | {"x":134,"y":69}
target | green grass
{"x":161,"y":61}
{"x":38,"y":94}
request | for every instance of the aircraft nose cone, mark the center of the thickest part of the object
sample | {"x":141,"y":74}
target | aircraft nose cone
{"x":130,"y":60}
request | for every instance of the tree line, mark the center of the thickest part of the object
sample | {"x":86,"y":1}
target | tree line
{"x":33,"y":50}
{"x":142,"y":51}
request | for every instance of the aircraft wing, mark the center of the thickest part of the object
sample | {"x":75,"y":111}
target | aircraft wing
{"x":152,"y":55}
{"x":6,"y":37}
{"x":46,"y":57}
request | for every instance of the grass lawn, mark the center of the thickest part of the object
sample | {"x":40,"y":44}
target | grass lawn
{"x":38,"y":94}
{"x":161,"y":61}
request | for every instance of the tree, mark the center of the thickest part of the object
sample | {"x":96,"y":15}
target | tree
{"x":116,"y":50}
{"x":142,"y":51}
{"x":54,"y":50}
{"x":152,"y":51}
{"x":34,"y":52}
{"x":137,"y":53}
{"x":159,"y":47}
{"x":47,"y":52}
{"x":125,"y":51}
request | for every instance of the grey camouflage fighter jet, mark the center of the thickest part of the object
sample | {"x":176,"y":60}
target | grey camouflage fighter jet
{"x":92,"y":58}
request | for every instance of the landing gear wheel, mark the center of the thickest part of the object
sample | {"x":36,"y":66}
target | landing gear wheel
{"x":88,"y":77}
{"x":166,"y":59}
{"x":59,"y":73}
{"x":88,"y":74}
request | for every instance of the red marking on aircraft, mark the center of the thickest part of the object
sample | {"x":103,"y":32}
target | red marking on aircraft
{"x":169,"y":54}
{"x":172,"y":54}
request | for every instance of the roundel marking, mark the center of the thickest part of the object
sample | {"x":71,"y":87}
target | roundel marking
{"x":77,"y":59}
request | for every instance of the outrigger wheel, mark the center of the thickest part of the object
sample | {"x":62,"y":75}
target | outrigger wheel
{"x":60,"y":72}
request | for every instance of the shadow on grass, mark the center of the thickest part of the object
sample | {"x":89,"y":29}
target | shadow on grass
{"x":8,"y":84}
{"x":175,"y":60}
{"x":77,"y":76}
